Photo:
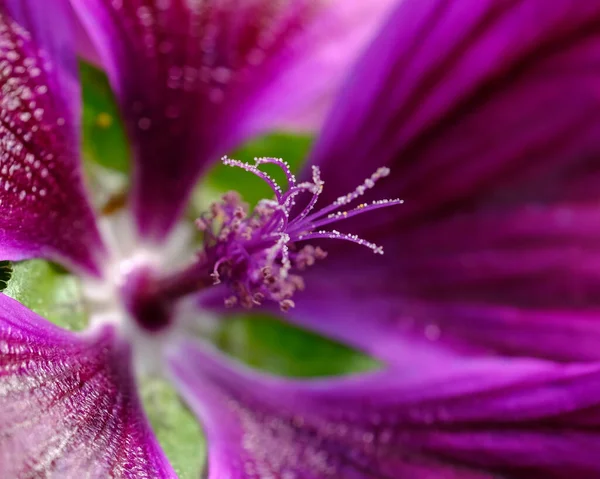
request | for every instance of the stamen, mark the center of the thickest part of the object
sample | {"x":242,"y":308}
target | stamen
{"x":333,"y":234}
{"x":253,"y":169}
{"x":362,"y":208}
{"x":296,"y":190}
{"x":350,"y":197}
{"x":284,"y":165}
{"x":255,"y":254}
{"x":280,"y":247}
{"x":368,"y":184}
{"x":316,"y":190}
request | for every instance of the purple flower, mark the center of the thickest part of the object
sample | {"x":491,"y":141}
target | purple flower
{"x":486,"y":114}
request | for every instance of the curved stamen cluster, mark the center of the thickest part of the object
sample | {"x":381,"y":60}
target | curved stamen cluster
{"x":256,"y":253}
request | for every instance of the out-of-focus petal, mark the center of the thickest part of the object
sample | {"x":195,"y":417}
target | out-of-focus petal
{"x":85,"y":48}
{"x":195,"y":78}
{"x":518,"y":419}
{"x":68,"y":404}
{"x":300,"y":96}
{"x":521,"y":281}
{"x":475,"y":284}
{"x":488,"y":114}
{"x":44,"y":211}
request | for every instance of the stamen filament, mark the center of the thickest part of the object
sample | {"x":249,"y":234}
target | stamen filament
{"x":316,"y":191}
{"x":333,"y":234}
{"x":254,"y":170}
{"x":350,"y":197}
{"x":291,"y":179}
{"x":343,"y":215}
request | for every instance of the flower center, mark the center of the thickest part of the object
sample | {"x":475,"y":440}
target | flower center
{"x":142,"y":300}
{"x":249,"y":257}
{"x":259,"y":256}
{"x":126,"y":295}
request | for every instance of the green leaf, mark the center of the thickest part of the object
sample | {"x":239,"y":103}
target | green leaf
{"x":104,"y":139}
{"x":5,"y":274}
{"x":176,"y":428}
{"x":49,"y":291}
{"x":276,"y":347}
{"x":221,"y":178}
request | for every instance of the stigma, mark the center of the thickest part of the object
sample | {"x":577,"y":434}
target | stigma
{"x":260,"y":255}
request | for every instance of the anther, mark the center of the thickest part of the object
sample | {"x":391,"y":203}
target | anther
{"x":231,"y":301}
{"x":286,"y":305}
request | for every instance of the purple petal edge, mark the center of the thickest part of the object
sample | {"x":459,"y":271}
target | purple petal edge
{"x":522,"y":419}
{"x":68,"y":403}
{"x":44,"y":211}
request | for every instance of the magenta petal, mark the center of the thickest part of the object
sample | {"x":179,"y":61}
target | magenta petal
{"x":488,"y":114}
{"x":480,"y":283}
{"x":68,"y":404}
{"x":462,"y":100}
{"x":43,"y":208}
{"x":85,"y":47}
{"x":523,"y":281}
{"x":302,"y":92}
{"x":195,"y":78}
{"x":523,"y":419}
